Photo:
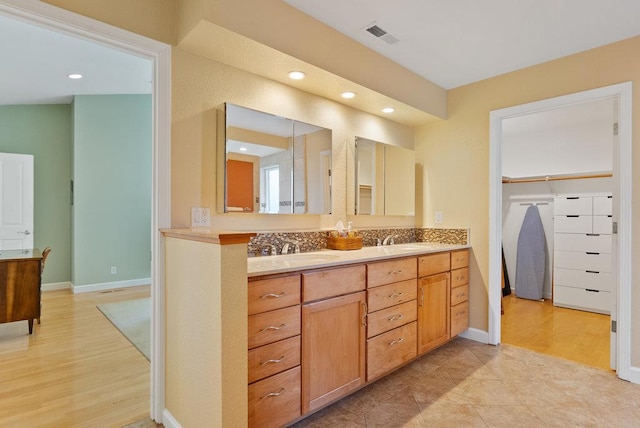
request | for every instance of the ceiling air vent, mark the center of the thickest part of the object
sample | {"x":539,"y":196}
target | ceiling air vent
{"x":381,"y":34}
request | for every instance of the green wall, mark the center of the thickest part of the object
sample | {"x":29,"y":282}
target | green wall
{"x":45,"y":132}
{"x":112,"y":142}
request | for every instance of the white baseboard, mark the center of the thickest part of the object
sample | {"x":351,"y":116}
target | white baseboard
{"x":56,"y":286}
{"x":109,"y":285}
{"x":475,"y":334}
{"x":634,"y":375}
{"x":169,"y":421}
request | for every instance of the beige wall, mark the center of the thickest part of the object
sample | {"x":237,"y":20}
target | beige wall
{"x":201,"y":84}
{"x":455,"y":153}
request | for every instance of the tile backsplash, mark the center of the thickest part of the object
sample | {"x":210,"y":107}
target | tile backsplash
{"x":317,"y":240}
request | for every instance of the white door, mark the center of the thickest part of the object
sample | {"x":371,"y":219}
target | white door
{"x":16,"y":201}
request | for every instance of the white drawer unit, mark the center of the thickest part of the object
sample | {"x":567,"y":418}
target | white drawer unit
{"x":583,"y":276}
{"x":588,"y":279}
{"x":582,"y":242}
{"x":581,"y":298}
{"x":600,"y":262}
{"x":573,"y":205}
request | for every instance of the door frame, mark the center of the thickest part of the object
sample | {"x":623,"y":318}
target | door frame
{"x":60,"y":20}
{"x":623,"y":92}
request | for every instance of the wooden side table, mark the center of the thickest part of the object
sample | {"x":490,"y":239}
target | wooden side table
{"x":20,"y":276}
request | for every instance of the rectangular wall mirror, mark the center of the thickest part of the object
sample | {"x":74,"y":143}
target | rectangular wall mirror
{"x":269,"y":164}
{"x":385,"y":179}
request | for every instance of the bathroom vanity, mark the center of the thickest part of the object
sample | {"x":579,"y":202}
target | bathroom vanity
{"x":322,"y":325}
{"x":266,"y":341}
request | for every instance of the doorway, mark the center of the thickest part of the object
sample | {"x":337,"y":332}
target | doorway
{"x":621,"y":310}
{"x":59,"y":20}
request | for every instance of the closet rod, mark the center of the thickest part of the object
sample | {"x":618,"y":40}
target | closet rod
{"x":555,"y":178}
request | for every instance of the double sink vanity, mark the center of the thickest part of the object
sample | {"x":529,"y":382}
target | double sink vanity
{"x":322,"y":325}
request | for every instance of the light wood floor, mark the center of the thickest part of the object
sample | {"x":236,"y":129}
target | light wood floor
{"x":575,"y":335}
{"x":76,"y":370}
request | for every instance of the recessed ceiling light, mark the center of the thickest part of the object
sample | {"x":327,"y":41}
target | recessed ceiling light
{"x":74,"y":76}
{"x":388,"y":110}
{"x":348,"y":94}
{"x":243,"y":149}
{"x":297,"y":75}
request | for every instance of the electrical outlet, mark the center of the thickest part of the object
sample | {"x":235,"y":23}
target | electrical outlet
{"x":200,"y":217}
{"x":114,"y":270}
{"x":438,"y":217}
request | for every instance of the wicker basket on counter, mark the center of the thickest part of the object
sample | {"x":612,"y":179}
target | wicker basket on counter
{"x":340,"y":243}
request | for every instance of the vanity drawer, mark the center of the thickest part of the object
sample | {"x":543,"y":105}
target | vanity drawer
{"x":334,"y":282}
{"x":273,"y":326}
{"x":391,"y":271}
{"x":391,"y":349}
{"x":392,"y":294}
{"x":459,"y":277}
{"x":273,"y":293}
{"x":276,"y":400}
{"x":390,"y":318}
{"x":459,"y":294}
{"x":459,"y":318}
{"x":273,"y":358}
{"x":459,"y":259}
{"x":434,"y":263}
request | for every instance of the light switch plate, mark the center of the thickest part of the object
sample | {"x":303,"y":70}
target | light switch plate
{"x":438,"y":217}
{"x":200,"y":217}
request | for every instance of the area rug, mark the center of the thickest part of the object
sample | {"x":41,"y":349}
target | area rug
{"x":133,"y":319}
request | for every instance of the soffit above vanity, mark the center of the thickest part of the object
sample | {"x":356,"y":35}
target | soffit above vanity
{"x":254,"y":45}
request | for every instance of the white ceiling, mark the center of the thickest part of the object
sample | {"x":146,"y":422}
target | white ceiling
{"x":456,"y":42}
{"x":35,"y":64}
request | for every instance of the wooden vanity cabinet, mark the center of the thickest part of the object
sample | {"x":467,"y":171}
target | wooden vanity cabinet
{"x":274,"y":350}
{"x":333,"y":336}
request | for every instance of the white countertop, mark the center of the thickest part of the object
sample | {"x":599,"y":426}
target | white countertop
{"x":267,"y":265}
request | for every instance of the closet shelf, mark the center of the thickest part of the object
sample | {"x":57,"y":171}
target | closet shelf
{"x":556,"y":177}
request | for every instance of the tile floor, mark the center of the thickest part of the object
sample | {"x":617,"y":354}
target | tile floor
{"x":468,"y":384}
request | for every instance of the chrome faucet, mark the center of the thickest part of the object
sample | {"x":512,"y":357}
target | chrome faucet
{"x":269,"y":250}
{"x":389,"y":240}
{"x":285,"y":247}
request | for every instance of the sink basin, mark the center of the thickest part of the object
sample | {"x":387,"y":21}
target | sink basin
{"x":312,"y":257}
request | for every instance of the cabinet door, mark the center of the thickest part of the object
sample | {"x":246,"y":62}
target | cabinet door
{"x":333,"y":349}
{"x":433,"y":311}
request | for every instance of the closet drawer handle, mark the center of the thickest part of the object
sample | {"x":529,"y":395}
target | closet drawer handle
{"x":573,"y":216}
{"x":592,"y":271}
{"x":573,"y":197}
{"x":273,"y":327}
{"x":591,"y":290}
{"x":272,"y":295}
{"x":279,"y":360}
{"x":592,"y":253}
{"x":395,"y":342}
{"x":593,"y":234}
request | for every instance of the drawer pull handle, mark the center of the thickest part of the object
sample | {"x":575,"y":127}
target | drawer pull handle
{"x":460,"y":277}
{"x":272,"y":361}
{"x":461,"y":259}
{"x":394,"y":272}
{"x":364,"y":313}
{"x":573,"y":216}
{"x":272,"y":295}
{"x":461,"y":313}
{"x":395,"y":317}
{"x":593,"y":254}
{"x":273,"y":394}
{"x":395,"y":294}
{"x":592,"y":290}
{"x":421,"y":296}
{"x":461,"y":295}
{"x":273,"y":327}
{"x":395,"y":342}
{"x":593,"y":234}
{"x":592,"y":271}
